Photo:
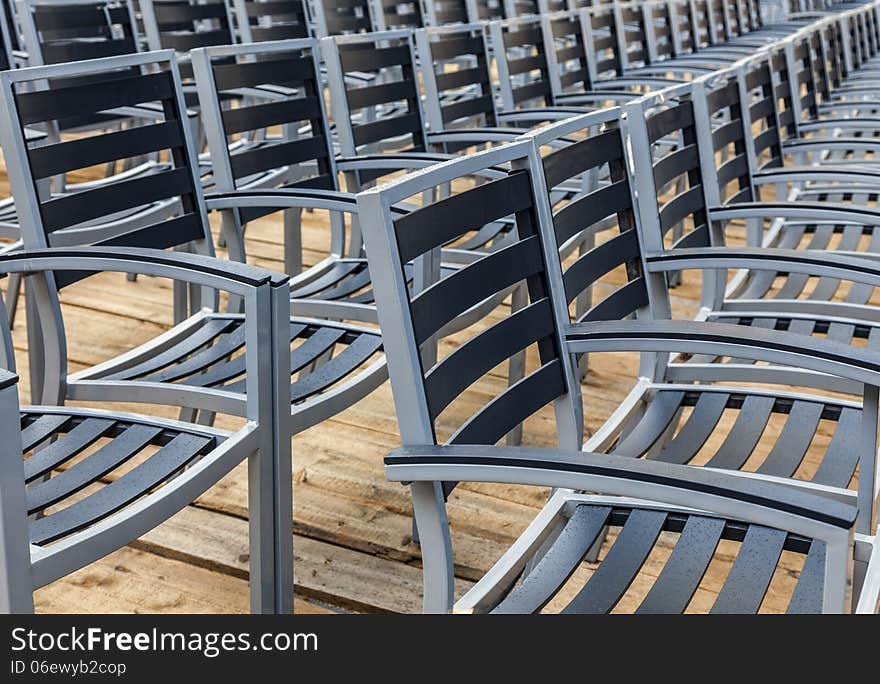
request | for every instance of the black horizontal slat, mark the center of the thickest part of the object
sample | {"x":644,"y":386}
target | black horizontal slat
{"x":728,"y":133}
{"x":733,"y":168}
{"x":344,"y":24}
{"x":572,"y":160}
{"x":391,"y":127}
{"x":457,"y":46}
{"x":455,"y":294}
{"x":467,"y":107}
{"x":462,"y":78}
{"x":620,"y":303}
{"x":77,"y":50}
{"x":286,"y":31}
{"x":531,"y":91}
{"x":436,"y":224}
{"x":513,"y":406}
{"x":277,"y":155}
{"x":73,"y":209}
{"x":267,"y":114}
{"x":576,"y":76}
{"x":598,"y":262}
{"x":527,"y":36}
{"x":524,"y":65}
{"x":570,"y":53}
{"x":93,"y":97}
{"x":41,"y":429}
{"x":119,"y":493}
{"x":184,"y":42}
{"x":676,"y":118}
{"x":179,"y":12}
{"x":674,"y":164}
{"x":382,"y":93}
{"x":374,"y":58}
{"x":679,"y":207}
{"x":279,"y":71}
{"x":58,"y":17}
{"x":49,"y":160}
{"x":589,"y":209}
{"x":480,"y":354}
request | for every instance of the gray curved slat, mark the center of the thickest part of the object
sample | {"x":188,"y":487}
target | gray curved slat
{"x":348,"y":286}
{"x":558,"y":563}
{"x":235,"y":367}
{"x":680,"y":577}
{"x":66,"y":447}
{"x":228,"y":344}
{"x":842,"y":455}
{"x":802,"y":326}
{"x":98,"y":464}
{"x":766,"y":324}
{"x":827,"y":287}
{"x":796,"y":282}
{"x":207,"y":332}
{"x":340,"y":271}
{"x":760,"y":282}
{"x":841,"y":332}
{"x":794,"y":440}
{"x":622,"y":563}
{"x":117,"y":494}
{"x":696,"y":430}
{"x":41,"y":429}
{"x":752,"y":571}
{"x":660,"y":412}
{"x":744,"y":435}
{"x":808,"y":593}
{"x":874,"y":339}
{"x":336,"y":368}
{"x":860,"y":293}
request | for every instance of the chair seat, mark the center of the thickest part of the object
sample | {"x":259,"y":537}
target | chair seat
{"x":769,"y":433}
{"x":672,"y":554}
{"x":210,"y":354}
{"x":82,"y":466}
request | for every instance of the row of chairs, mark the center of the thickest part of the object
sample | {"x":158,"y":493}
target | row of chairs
{"x":306,"y":368}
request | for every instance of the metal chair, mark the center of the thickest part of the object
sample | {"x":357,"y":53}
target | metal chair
{"x":79,"y":483}
{"x":638,"y":499}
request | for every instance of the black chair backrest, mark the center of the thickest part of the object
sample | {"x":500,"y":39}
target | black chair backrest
{"x":671,"y":130}
{"x":490,"y":10}
{"x":450,"y":12}
{"x":526,"y":58}
{"x":635,"y":40}
{"x":660,"y":16}
{"x":303,"y":148}
{"x":767,"y":142}
{"x":387,"y":56}
{"x":616,"y":260}
{"x":533,"y":326}
{"x":605,"y":48}
{"x":112,"y":85}
{"x":570,"y":52}
{"x":460,"y":64}
{"x":702,"y":23}
{"x":724,"y":108}
{"x":183,"y":25}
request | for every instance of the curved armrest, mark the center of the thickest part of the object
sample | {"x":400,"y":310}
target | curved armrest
{"x":810,"y":212}
{"x":831,"y":124}
{"x":230,"y":276}
{"x":809,"y":174}
{"x":287,"y":198}
{"x":721,"y":493}
{"x":7,"y":379}
{"x":403,"y":162}
{"x":541,"y":114}
{"x":727,"y":339}
{"x":475,"y":135}
{"x":597,"y":96}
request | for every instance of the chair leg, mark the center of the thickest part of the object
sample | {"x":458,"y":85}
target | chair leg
{"x":430,"y":516}
{"x":293,"y":242}
{"x":12,"y":295}
{"x":516,"y":369}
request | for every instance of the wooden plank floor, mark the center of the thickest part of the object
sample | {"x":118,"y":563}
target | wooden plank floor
{"x":353,"y":546}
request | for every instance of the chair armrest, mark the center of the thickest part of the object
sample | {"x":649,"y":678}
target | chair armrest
{"x":402,"y":162}
{"x":727,"y":339}
{"x":212,"y":272}
{"x":721,"y":493}
{"x":283,"y":198}
{"x":810,"y":174}
{"x":475,"y":135}
{"x":837,"y":143}
{"x":811,"y":212}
